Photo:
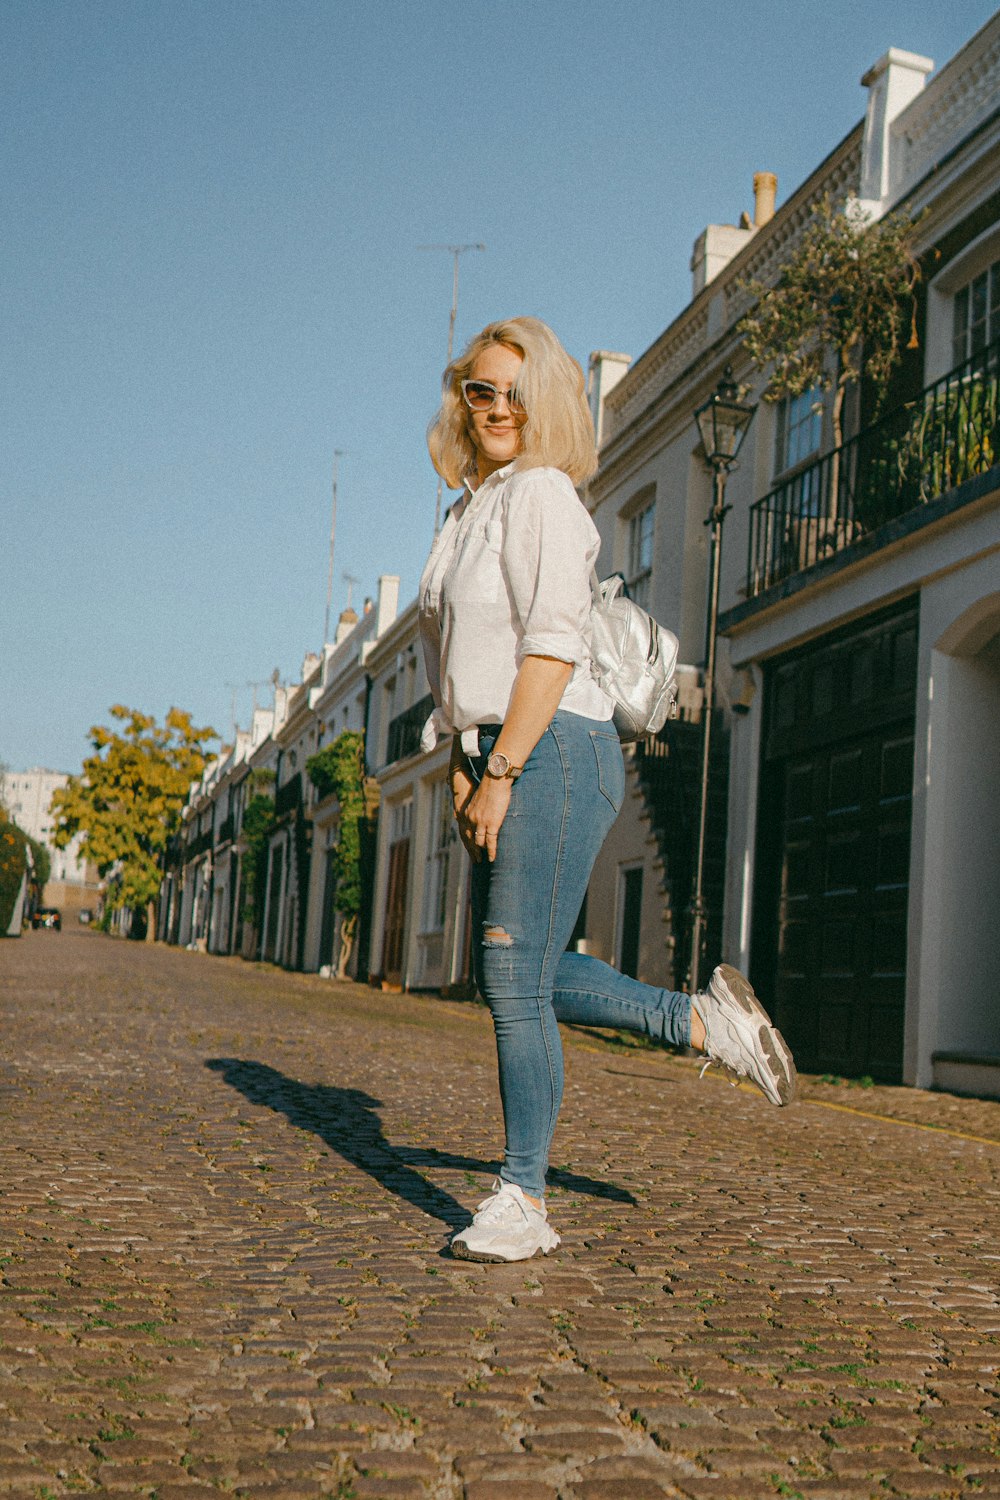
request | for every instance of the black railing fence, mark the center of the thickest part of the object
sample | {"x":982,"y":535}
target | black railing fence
{"x":404,"y":730}
{"x":915,"y":453}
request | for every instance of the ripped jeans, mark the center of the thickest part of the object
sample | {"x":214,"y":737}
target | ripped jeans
{"x":524,"y":908}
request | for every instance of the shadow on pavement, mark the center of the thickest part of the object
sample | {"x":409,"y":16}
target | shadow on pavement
{"x":347,"y":1120}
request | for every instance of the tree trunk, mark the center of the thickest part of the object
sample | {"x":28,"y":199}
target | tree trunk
{"x":150,"y":921}
{"x":834,"y":510}
{"x":348,"y":927}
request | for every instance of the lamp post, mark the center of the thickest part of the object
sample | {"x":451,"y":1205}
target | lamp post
{"x":722,"y":422}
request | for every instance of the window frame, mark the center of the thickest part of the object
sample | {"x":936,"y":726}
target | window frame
{"x":640,"y":543}
{"x":785,"y":463}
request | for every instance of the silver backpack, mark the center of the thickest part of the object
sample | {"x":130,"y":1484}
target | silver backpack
{"x":633,"y":659}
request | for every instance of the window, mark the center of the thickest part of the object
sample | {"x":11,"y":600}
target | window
{"x":800,"y":429}
{"x":640,"y":553}
{"x":438,"y":848}
{"x":976,"y":315}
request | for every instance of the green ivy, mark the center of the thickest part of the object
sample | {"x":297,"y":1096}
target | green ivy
{"x":258,"y":824}
{"x":339,"y":770}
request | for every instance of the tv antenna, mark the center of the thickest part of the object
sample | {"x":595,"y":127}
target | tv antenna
{"x":454,"y":251}
{"x":338,"y":454}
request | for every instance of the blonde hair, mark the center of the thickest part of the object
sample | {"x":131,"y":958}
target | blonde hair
{"x":558,"y":432}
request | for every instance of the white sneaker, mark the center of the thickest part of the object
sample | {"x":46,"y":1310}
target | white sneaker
{"x":739,"y":1036}
{"x":505,"y":1227}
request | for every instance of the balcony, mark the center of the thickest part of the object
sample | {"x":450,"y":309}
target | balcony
{"x":404,"y":730}
{"x":915,"y":454}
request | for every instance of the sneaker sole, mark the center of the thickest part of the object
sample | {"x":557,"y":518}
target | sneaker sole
{"x":462,"y":1252}
{"x":780,"y":1063}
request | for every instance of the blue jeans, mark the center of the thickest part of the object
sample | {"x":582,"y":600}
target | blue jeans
{"x":524,"y":908}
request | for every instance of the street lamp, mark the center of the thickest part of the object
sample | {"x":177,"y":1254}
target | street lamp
{"x":722,"y":422}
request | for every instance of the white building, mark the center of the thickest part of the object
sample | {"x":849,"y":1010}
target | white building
{"x":339,"y":703}
{"x":860,"y":680}
{"x":27,"y":796}
{"x":420,"y":911}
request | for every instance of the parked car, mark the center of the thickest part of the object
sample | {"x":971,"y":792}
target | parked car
{"x":47,"y":916}
{"x":85,"y":916}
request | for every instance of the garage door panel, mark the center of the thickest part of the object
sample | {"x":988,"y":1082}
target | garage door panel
{"x":844,"y":867}
{"x":838,"y":949}
{"x":845,"y":781}
{"x":830,"y":942}
{"x":834,"y":1033}
{"x":885,"y":1035}
{"x":795,"y":949}
{"x":889,"y":945}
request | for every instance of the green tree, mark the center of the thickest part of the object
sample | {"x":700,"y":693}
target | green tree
{"x":13,"y":842}
{"x":41,"y":865}
{"x":838,"y":310}
{"x":340,"y":769}
{"x":128,"y":800}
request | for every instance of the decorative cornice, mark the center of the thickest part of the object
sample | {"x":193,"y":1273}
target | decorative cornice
{"x":959,"y":98}
{"x":689,"y":336}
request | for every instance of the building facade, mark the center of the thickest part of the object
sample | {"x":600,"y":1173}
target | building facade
{"x":861,"y":619}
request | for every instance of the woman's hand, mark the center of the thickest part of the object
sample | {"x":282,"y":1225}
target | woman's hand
{"x":480,"y":816}
{"x":462,"y":788}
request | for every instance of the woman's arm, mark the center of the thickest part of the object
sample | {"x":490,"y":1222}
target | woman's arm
{"x":537,"y":692}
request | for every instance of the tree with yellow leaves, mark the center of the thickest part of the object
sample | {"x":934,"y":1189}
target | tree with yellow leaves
{"x":128,"y":799}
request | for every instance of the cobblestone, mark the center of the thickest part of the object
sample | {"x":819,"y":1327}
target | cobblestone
{"x":227,"y":1196}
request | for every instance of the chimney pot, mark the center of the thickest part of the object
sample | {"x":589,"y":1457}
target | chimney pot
{"x":765,"y":190}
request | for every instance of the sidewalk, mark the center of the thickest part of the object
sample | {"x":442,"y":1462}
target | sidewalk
{"x":227,"y":1193}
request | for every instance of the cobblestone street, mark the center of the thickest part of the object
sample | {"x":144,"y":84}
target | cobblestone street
{"x":227,"y":1192}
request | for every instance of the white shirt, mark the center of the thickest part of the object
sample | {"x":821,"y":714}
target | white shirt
{"x":508,"y":577}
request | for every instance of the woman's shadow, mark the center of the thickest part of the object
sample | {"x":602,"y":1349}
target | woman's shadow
{"x":347,"y":1120}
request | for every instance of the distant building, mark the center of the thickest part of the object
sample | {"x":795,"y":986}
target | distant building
{"x":27,"y":796}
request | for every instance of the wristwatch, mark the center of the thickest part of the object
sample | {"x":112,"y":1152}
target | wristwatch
{"x":498,"y":766}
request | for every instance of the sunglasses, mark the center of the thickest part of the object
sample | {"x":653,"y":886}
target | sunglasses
{"x":483,"y":395}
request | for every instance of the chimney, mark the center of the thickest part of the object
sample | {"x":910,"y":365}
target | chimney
{"x":892,"y":83}
{"x":718,"y":244}
{"x":765,"y":190}
{"x":387,"y":601}
{"x":346,"y":623}
{"x":606,"y":370}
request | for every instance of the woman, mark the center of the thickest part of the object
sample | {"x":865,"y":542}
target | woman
{"x":536,"y":770}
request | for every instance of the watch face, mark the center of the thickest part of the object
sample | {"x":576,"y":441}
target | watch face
{"x":498,"y":764}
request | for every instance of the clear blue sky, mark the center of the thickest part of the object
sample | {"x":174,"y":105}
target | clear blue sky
{"x":210,"y":279}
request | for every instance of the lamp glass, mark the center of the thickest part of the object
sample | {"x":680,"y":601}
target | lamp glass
{"x":723,"y":422}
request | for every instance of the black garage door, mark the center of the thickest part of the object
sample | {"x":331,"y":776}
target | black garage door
{"x":834,"y":846}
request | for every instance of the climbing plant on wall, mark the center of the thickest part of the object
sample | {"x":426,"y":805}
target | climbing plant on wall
{"x":339,"y":770}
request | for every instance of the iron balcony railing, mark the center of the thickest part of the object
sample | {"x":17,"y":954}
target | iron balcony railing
{"x":915,"y":453}
{"x":404,"y":730}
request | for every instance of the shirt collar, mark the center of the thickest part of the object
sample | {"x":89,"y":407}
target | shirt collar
{"x":474,"y":487}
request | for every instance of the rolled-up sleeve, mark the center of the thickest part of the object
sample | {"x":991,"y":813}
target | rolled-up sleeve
{"x":430,"y":640}
{"x":549,"y":544}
